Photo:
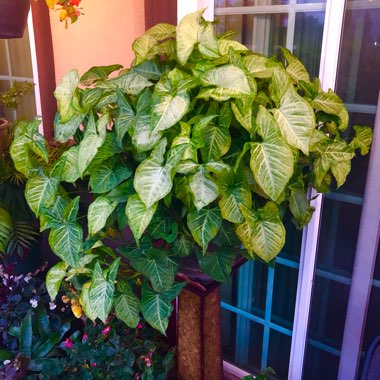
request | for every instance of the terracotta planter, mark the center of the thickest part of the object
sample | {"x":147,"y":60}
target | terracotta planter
{"x":13,"y":18}
{"x":3,"y":134}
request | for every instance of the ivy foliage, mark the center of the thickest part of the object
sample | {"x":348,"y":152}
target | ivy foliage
{"x":198,"y":148}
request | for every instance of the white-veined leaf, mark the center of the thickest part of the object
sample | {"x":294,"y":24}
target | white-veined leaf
{"x":296,"y":120}
{"x":204,"y":225}
{"x":54,"y":278}
{"x":127,"y":305}
{"x":98,"y":213}
{"x":139,"y":216}
{"x":203,"y":188}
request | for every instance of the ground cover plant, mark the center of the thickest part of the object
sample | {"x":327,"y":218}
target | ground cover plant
{"x":198,"y":149}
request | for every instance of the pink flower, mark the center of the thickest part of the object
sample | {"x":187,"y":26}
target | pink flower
{"x":147,"y":361}
{"x":150,"y":353}
{"x":106,"y":330}
{"x":93,"y":364}
{"x":140,"y":326}
{"x":68,"y":343}
{"x":84,"y":337}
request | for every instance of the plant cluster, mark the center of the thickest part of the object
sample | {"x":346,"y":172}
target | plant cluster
{"x":121,"y":353}
{"x":199,"y":147}
{"x":13,"y":96}
{"x":69,"y":9}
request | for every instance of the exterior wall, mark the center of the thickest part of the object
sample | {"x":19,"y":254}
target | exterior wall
{"x":102,"y":36}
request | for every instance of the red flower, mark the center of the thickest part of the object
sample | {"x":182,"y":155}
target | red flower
{"x":106,"y":330}
{"x":140,"y":326}
{"x":68,"y":343}
{"x":84,"y":337}
{"x":74,"y":2}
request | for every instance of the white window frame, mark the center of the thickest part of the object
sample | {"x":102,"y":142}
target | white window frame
{"x":35,"y":80}
{"x":370,"y":218}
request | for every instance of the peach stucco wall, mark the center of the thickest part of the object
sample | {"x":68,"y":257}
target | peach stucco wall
{"x":102,"y":36}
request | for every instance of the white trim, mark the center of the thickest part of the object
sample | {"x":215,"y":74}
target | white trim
{"x":33,"y":55}
{"x":329,"y":62}
{"x":365,"y":258}
{"x":185,"y":7}
{"x":233,"y":370}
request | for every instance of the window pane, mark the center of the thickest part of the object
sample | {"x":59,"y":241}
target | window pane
{"x":264,"y":33}
{"x":19,"y":50}
{"x":279,"y":353}
{"x":242,"y":3}
{"x":3,"y":59}
{"x":308,"y":39}
{"x":325,"y":366}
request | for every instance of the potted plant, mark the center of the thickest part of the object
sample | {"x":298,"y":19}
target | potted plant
{"x":14,"y":16}
{"x":199,"y":149}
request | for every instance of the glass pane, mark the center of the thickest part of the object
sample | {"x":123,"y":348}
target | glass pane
{"x":310,"y":1}
{"x":242,"y":3}
{"x":264,"y":33}
{"x":19,"y":50}
{"x":279,"y":353}
{"x":27,"y":107}
{"x":3,"y":58}
{"x":284,"y":296}
{"x":325,"y":366}
{"x":338,"y":236}
{"x":249,"y":335}
{"x":5,"y":112}
{"x":308,"y":39}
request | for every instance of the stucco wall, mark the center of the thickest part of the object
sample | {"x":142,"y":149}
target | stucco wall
{"x":102,"y":36}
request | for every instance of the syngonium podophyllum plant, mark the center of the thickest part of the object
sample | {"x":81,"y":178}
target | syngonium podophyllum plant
{"x":199,"y":148}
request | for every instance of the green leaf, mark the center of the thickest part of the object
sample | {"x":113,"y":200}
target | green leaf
{"x":262,"y":233}
{"x":225,"y":45}
{"x":259,"y":65}
{"x":108,"y":175}
{"x":64,"y":93}
{"x":64,"y":131}
{"x":167,"y":109}
{"x":340,"y":171}
{"x":204,"y":225}
{"x":93,"y":138}
{"x":187,"y":35}
{"x":101,"y":294}
{"x":139,"y":216}
{"x":217,"y":264}
{"x":127,"y":305}
{"x":183,"y":246}
{"x":156,"y":309}
{"x":234,"y":192}
{"x":26,"y":335}
{"x":217,"y":141}
{"x":296,"y":120}
{"x":328,"y":102}
{"x":362,"y":140}
{"x":26,"y":133}
{"x":98,"y":73}
{"x":5,"y":355}
{"x":131,"y":82}
{"x":271,"y":160}
{"x":143,"y":138}
{"x":174,"y":291}
{"x":98,"y":213}
{"x":295,"y":68}
{"x":41,"y":191}
{"x":162,"y":31}
{"x":163,"y":226}
{"x":300,"y":207}
{"x":152,"y":180}
{"x":207,"y":41}
{"x":85,"y":302}
{"x":70,"y":171}
{"x":54,"y":278}
{"x":142,"y":46}
{"x":154,"y":264}
{"x":203,"y":189}
{"x":66,"y":242}
{"x":229,"y":81}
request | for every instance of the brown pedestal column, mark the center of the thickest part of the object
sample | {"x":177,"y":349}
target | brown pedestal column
{"x":199,"y":341}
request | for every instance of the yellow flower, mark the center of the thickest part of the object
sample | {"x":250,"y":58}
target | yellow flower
{"x":63,"y":15}
{"x":77,"y":310}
